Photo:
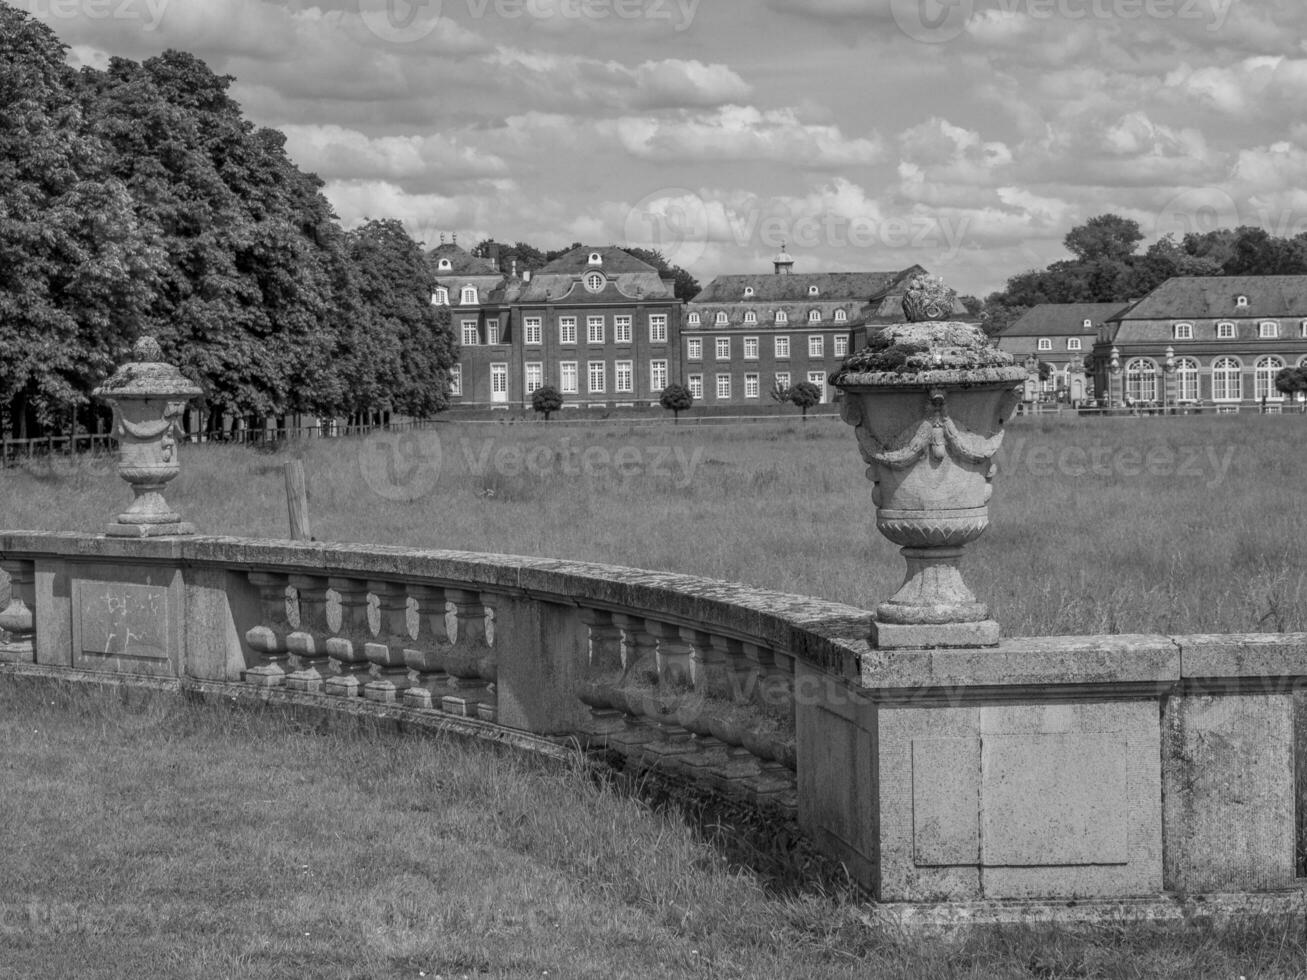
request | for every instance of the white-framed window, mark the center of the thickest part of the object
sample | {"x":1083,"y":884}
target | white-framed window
{"x":1264,"y":372}
{"x":841,"y":316}
{"x":694,"y":348}
{"x":1087,"y":323}
{"x":596,"y":258}
{"x":1302,"y":329}
{"x":594,"y":281}
{"x":567,"y":330}
{"x":1225,"y":331}
{"x":456,"y":380}
{"x":723,"y":348}
{"x":840,"y":345}
{"x":1044,"y":343}
{"x":658,"y":328}
{"x":444,"y":265}
{"x":1182,"y":331}
{"x":1141,"y":380}
{"x":695,"y":383}
{"x":468,"y":296}
{"x":657,"y":374}
{"x":594,"y":330}
{"x":1186,"y":379}
{"x":1268,"y":330}
{"x":750,"y":318}
{"x":819,"y":379}
{"x":816,"y":345}
{"x":1241,"y":301}
{"x":1227,"y":379}
{"x":723,"y":386}
{"x":750,"y":348}
{"x":498,"y":381}
{"x":597,"y":376}
{"x":782,"y":317}
{"x":813,"y":290}
{"x":533,"y":333}
{"x":623,"y":376}
{"x":751,"y":386}
{"x":782,"y":379}
{"x":534,"y":376}
{"x":721,"y":319}
{"x":782,"y":345}
{"x":471,"y":336}
{"x":622,"y":329}
{"x":748,"y":291}
{"x":814,"y":316}
{"x":1073,"y":343}
{"x":694,"y":319}
{"x":440,"y":297}
{"x":492,"y":332}
{"x":567,"y":377}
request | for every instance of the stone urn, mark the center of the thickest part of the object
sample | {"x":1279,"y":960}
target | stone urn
{"x":928,"y":400}
{"x":148,"y":398}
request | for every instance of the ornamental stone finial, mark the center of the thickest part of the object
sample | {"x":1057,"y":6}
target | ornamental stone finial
{"x":928,"y":298}
{"x":148,"y":397}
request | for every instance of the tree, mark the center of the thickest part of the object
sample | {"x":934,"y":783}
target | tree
{"x":974,"y":304}
{"x":676,"y":398}
{"x":805,"y":394}
{"x":1106,"y":237}
{"x":686,"y":287}
{"x":1291,"y":380}
{"x":546,"y":400}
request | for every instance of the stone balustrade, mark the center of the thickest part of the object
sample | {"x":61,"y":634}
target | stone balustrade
{"x":1102,"y":769}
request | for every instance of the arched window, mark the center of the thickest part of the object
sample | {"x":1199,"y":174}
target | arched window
{"x":748,"y":291}
{"x":840,"y":316}
{"x":1186,"y":379}
{"x":1268,"y":330}
{"x":1241,"y":301}
{"x":1044,"y":344}
{"x":469,"y":296}
{"x":441,"y":297}
{"x":1225,"y":331}
{"x":722,"y":319}
{"x":1227,"y":383}
{"x":812,"y":290}
{"x":814,"y":316}
{"x":750,"y":317}
{"x":444,"y":265}
{"x":1141,"y":380}
{"x":1264,"y":372}
{"x":694,"y":319}
{"x":596,"y":258}
{"x":782,"y":317}
{"x":1183,"y":331}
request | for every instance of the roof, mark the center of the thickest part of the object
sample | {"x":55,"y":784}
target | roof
{"x":773,"y":288}
{"x":1216,"y":296}
{"x":1055,"y":319}
{"x":616,"y":261}
{"x":461,"y":262}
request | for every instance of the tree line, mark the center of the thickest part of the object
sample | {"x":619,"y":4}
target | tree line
{"x":138,"y":200}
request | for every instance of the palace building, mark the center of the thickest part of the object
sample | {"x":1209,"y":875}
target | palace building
{"x":1061,"y":335}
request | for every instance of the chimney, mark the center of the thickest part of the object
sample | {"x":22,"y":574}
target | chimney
{"x":526,"y":276}
{"x":492,"y":253}
{"x":514,"y":272}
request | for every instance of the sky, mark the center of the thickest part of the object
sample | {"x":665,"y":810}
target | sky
{"x":967,"y":136}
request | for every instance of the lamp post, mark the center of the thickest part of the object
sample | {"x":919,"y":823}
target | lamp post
{"x":1114,"y":393}
{"x":1169,"y":383}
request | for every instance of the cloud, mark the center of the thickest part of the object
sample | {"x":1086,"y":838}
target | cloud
{"x":337,"y":152}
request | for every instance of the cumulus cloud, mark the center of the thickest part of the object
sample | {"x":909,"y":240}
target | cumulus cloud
{"x":337,"y":152}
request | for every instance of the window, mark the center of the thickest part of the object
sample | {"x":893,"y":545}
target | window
{"x":748,"y":291}
{"x":498,"y":382}
{"x":840,"y":346}
{"x":1268,"y":330}
{"x":596,"y":258}
{"x":535,"y":376}
{"x":567,"y":330}
{"x":816,"y":345}
{"x":443,"y":265}
{"x":1264,"y":372}
{"x":782,"y":317}
{"x":1073,"y":343}
{"x":841,"y":316}
{"x":594,"y":330}
{"x":694,"y":348}
{"x":567,"y":377}
{"x":597,"y":377}
{"x":694,"y":319}
{"x":1141,"y":380}
{"x":440,"y":297}
{"x":751,"y":386}
{"x":470,"y":335}
{"x":1044,"y":344}
{"x":750,"y":348}
{"x":1302,"y":329}
{"x":657,"y":375}
{"x":1227,"y":384}
{"x":723,"y":386}
{"x":812,"y":290}
{"x":723,"y":348}
{"x":751,"y":318}
{"x":623,"y":376}
{"x":1183,"y":331}
{"x":782,"y":379}
{"x":1186,"y":379}
{"x":658,"y":328}
{"x":1225,"y":331}
{"x":1087,"y":323}
{"x":456,"y":380}
{"x":532,"y":331}
{"x":814,"y":316}
{"x":594,"y":281}
{"x":695,"y":383}
{"x":819,"y":379}
{"x":469,"y":296}
{"x":492,"y":332}
{"x":782,"y":348}
{"x":622,"y":329}
{"x":1241,"y":301}
{"x":721,"y":319}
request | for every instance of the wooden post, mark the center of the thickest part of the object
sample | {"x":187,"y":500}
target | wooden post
{"x":297,"y":501}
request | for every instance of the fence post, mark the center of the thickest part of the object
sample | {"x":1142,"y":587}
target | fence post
{"x":297,"y":501}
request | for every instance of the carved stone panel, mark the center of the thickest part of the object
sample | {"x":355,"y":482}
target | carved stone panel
{"x":128,"y":623}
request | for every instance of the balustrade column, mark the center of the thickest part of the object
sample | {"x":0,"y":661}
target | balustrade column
{"x":387,"y":651}
{"x":710,"y":668}
{"x":426,"y":656}
{"x":471,"y":661}
{"x":18,"y":620}
{"x":605,"y":670}
{"x":268,"y":640}
{"x":308,"y":643}
{"x":347,"y":648}
{"x":674,"y":656}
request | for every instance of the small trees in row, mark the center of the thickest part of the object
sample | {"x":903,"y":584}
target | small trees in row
{"x":676,"y":398}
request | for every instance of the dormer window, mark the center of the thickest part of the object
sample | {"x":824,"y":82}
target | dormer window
{"x":1225,"y":331}
{"x":840,"y":316}
{"x":721,"y":318}
{"x":1087,"y":323}
{"x":1183,"y":331}
{"x":694,"y":319}
{"x":782,"y":317}
{"x":469,"y":296}
{"x":814,"y":316}
{"x":596,"y":258}
{"x":1241,"y":301}
{"x":594,"y":282}
{"x":1268,"y":330}
{"x":1302,"y":329}
{"x":812,"y":290}
{"x":1073,"y":343}
{"x":1044,"y":344}
{"x":440,"y":297}
{"x":748,"y":291}
{"x":750,"y":317}
{"x":444,"y":265}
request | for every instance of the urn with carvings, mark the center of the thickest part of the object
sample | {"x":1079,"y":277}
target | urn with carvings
{"x":148,"y":397}
{"x":928,"y":400}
